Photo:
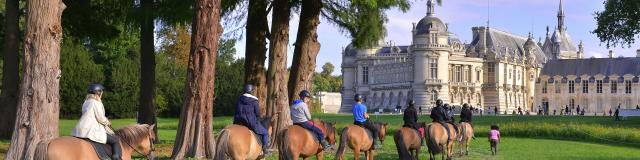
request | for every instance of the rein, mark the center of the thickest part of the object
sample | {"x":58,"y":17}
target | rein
{"x":134,"y":148}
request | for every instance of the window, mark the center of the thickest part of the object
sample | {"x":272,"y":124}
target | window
{"x":585,"y":86}
{"x":365,"y":75}
{"x":614,"y":86}
{"x":518,"y":75}
{"x":544,"y":87}
{"x":509,"y":74}
{"x":458,"y":74}
{"x":571,"y":86}
{"x":557,"y":87}
{"x":478,"y":76}
{"x":434,"y":38}
{"x":491,"y":69}
{"x":599,"y":86}
{"x":433,"y":63}
{"x":627,"y":87}
{"x":572,"y":103}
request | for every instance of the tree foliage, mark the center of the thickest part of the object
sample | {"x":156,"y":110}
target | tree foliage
{"x":78,"y":70}
{"x":619,"y":23}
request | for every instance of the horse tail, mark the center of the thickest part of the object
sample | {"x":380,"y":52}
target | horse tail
{"x":222,"y":145}
{"x":283,"y":145}
{"x":432,"y":145}
{"x":343,"y":143}
{"x":403,"y":151}
{"x":42,"y":150}
{"x":463,"y":132}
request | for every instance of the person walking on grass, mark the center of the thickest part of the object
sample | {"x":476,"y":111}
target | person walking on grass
{"x":617,"y":113}
{"x":494,"y":138}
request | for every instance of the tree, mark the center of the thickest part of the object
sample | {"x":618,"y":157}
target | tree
{"x":277,"y":97}
{"x":10,"y":77}
{"x":147,"y":110}
{"x":79,"y":70}
{"x":327,"y":69}
{"x":619,"y":23}
{"x":363,"y":20}
{"x":39,"y":90}
{"x":195,"y":138}
{"x":255,"y":49}
{"x":307,"y":48}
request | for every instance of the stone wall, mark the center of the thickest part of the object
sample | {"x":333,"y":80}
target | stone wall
{"x":331,"y":101}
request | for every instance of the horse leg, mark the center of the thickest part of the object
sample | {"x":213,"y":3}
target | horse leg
{"x":320,"y":155}
{"x":356,"y":153}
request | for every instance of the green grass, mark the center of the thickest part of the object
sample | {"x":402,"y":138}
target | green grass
{"x":527,"y":137}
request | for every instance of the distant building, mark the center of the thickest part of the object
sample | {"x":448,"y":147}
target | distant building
{"x":330,"y":101}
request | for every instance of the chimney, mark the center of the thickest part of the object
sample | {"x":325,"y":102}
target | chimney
{"x":638,"y":53}
{"x":610,"y":53}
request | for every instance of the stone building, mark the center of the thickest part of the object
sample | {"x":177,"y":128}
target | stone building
{"x":497,"y":69}
{"x":594,"y":84}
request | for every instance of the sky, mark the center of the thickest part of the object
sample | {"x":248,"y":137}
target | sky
{"x":515,"y":16}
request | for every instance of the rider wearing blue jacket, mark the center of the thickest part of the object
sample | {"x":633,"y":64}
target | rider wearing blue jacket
{"x":247,"y":114}
{"x":361,"y":118}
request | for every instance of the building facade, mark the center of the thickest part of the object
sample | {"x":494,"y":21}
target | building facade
{"x":497,"y":69}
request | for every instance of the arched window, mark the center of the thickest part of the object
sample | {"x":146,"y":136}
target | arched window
{"x":572,"y":103}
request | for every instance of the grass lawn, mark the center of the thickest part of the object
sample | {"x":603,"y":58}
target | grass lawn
{"x":560,"y":137}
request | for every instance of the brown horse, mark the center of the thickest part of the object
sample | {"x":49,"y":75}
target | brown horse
{"x":465,"y":137}
{"x":239,"y":143}
{"x":408,"y":142}
{"x":297,"y":141}
{"x":437,"y":139}
{"x":133,"y":138}
{"x":358,"y":139}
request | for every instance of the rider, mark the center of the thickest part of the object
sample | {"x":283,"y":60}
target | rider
{"x":438,"y":114}
{"x":449,"y":116}
{"x":247,"y":114}
{"x":93,"y":124}
{"x":361,"y":118}
{"x":301,"y":116}
{"x":465,"y":114}
{"x":410,"y":118}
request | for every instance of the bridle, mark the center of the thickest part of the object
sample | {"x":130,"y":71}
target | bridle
{"x":136,"y":150}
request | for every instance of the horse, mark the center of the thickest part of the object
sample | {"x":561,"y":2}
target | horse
{"x":239,"y":143}
{"x":437,"y":139}
{"x":465,"y":137}
{"x":408,"y":142}
{"x":133,"y":138}
{"x":358,"y":139}
{"x":297,"y":141}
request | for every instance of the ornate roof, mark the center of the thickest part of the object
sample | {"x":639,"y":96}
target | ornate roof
{"x":429,"y":22}
{"x":505,"y":44}
{"x":592,"y":66}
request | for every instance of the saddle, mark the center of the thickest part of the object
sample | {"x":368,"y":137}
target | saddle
{"x":310,"y":132}
{"x":104,"y":151}
{"x":369,"y":133}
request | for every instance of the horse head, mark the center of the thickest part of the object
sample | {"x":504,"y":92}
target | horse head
{"x":382,"y":130}
{"x":139,"y":137}
{"x":268,"y":120}
{"x":331,"y":132}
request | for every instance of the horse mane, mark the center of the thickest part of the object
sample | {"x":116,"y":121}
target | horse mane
{"x":133,"y":134}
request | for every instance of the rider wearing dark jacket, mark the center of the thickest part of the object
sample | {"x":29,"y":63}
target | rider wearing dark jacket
{"x":449,"y":116}
{"x":247,"y":114}
{"x":439,"y":114}
{"x":465,"y":114}
{"x":410,"y":116}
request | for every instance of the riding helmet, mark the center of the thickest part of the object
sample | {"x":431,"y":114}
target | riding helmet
{"x":412,"y":102}
{"x":305,"y":93}
{"x":248,"y":88}
{"x":357,"y":97}
{"x":95,"y":88}
{"x":439,"y":102}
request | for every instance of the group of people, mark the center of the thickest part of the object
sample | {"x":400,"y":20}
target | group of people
{"x":94,"y":125}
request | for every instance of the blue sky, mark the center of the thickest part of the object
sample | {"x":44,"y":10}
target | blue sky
{"x":516,"y":16}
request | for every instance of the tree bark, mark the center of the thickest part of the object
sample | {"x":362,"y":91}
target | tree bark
{"x":195,"y":129}
{"x":307,"y":48}
{"x":10,"y":77}
{"x":147,"y":110}
{"x":277,"y":98}
{"x":255,"y":51}
{"x":38,"y":103}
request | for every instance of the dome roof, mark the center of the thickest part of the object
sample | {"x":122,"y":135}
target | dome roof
{"x":529,"y":42}
{"x":429,"y":22}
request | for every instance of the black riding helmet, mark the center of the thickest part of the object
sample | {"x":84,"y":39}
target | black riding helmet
{"x":412,"y":102}
{"x":465,"y":105}
{"x":95,"y":88}
{"x":305,"y":93}
{"x":357,"y":97}
{"x":248,"y":88}
{"x":439,"y":102}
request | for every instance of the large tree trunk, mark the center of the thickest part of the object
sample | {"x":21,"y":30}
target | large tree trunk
{"x":10,"y":77}
{"x":277,"y":98}
{"x":38,"y":105}
{"x":307,"y":48}
{"x":195,"y":130}
{"x":256,"y":49}
{"x":147,"y":110}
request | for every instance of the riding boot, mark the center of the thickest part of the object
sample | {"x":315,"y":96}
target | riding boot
{"x":325,"y":145}
{"x":265,"y":150}
{"x":115,"y":147}
{"x":376,"y":144}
